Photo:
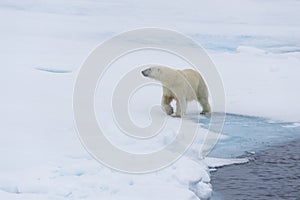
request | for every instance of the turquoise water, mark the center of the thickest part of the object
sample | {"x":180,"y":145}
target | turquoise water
{"x":247,"y":134}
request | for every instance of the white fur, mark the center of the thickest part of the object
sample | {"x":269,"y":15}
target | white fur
{"x":180,"y":85}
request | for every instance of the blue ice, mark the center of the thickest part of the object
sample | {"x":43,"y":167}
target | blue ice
{"x":51,"y":70}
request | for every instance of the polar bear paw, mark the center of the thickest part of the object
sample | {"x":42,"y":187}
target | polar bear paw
{"x":169,"y":110}
{"x":204,"y":112}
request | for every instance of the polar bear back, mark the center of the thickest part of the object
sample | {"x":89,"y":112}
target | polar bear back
{"x":196,"y":83}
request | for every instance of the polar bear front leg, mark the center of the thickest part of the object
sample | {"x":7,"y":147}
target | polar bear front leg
{"x":165,"y":103}
{"x":181,"y":107}
{"x":166,"y":100}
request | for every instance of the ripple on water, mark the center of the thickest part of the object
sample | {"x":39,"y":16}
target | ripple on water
{"x":273,"y":173}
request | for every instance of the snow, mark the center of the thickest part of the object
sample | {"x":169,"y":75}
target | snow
{"x":292,"y":125}
{"x":220,"y":162}
{"x":267,"y":83}
{"x":254,"y":44}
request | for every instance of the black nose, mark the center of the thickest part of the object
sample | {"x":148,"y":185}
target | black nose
{"x":145,"y":72}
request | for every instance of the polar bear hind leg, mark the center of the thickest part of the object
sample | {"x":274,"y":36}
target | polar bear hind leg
{"x":205,"y":105}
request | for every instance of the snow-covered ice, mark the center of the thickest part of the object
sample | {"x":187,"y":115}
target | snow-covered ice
{"x":254,"y":44}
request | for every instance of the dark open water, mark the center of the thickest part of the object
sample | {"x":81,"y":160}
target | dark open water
{"x":273,"y":173}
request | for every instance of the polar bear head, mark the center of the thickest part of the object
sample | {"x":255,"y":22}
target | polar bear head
{"x":152,"y":72}
{"x":158,"y":73}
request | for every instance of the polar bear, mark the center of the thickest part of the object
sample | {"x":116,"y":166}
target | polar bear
{"x":181,"y":85}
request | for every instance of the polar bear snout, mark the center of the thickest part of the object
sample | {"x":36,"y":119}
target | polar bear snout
{"x":146,"y":72}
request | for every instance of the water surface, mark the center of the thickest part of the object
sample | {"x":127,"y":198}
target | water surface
{"x":273,"y":173}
